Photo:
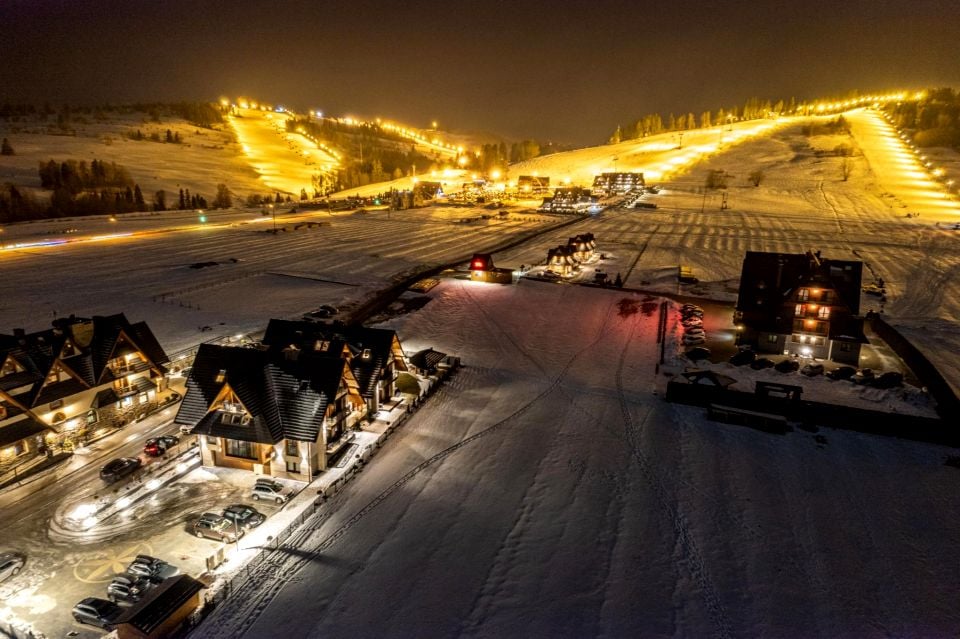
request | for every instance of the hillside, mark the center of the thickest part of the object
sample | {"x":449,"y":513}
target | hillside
{"x":204,"y":158}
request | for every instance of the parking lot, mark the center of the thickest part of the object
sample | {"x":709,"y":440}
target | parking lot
{"x":68,"y":563}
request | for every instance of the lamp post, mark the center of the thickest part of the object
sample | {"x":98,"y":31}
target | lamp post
{"x":236,"y":534}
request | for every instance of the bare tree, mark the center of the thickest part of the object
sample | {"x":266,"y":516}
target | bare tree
{"x":756,"y":177}
{"x":846,"y":168}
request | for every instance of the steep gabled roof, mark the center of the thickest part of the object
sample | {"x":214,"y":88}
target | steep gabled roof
{"x":286,"y":394}
{"x":360,"y":339}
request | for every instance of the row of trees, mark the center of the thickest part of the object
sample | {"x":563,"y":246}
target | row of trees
{"x":202,"y":114}
{"x":934,"y":119}
{"x":171,"y":137}
{"x":74,"y":177}
{"x":652,"y":124}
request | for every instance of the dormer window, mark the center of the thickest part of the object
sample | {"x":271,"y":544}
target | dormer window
{"x":221,"y":376}
{"x":321,"y":345}
{"x":366,"y":353}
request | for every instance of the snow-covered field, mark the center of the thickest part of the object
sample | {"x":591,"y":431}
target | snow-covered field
{"x":257,"y":275}
{"x":548,"y":491}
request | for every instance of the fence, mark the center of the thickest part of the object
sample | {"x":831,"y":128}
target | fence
{"x":925,"y":429}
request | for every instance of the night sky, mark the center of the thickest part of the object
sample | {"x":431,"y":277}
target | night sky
{"x":563,"y":71}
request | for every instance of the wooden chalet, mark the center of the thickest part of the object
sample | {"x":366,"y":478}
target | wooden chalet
{"x":562,"y":260}
{"x":533,"y":184}
{"x":582,"y":246}
{"x":287,"y":408}
{"x":801,"y":304}
{"x":60,"y":386}
{"x":569,"y":199}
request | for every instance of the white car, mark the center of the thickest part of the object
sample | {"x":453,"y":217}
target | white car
{"x":271,"y":489}
{"x":11,"y":563}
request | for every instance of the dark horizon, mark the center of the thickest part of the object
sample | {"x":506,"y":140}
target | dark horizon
{"x":520,"y":69}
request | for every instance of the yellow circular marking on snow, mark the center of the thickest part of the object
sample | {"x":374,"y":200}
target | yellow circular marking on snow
{"x":102,"y":570}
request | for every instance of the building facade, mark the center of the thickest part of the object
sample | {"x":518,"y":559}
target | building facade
{"x":65,"y":385}
{"x":287,"y":407}
{"x":802,"y":305}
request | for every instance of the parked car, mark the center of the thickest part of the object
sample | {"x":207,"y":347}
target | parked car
{"x":744,"y":356}
{"x":787,"y":366}
{"x":97,"y":612}
{"x":863,"y":376}
{"x":270,"y":489}
{"x":694,"y":330}
{"x":812,"y":370}
{"x":128,"y":588}
{"x":151,"y":567}
{"x":11,"y":563}
{"x":761,"y":363}
{"x":693,"y":340}
{"x":842,"y":372}
{"x":214,"y":526}
{"x":117,"y":469}
{"x":157,"y":446}
{"x":246,"y":517}
{"x":890,"y":379}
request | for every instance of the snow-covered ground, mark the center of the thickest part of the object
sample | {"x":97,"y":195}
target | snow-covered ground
{"x":206,"y":157}
{"x":285,"y":161}
{"x":341,"y":260}
{"x":548,"y":490}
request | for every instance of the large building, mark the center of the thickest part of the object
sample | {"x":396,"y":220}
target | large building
{"x":617,"y":183}
{"x":801,"y":304}
{"x":62,"y":385}
{"x":287,"y":408}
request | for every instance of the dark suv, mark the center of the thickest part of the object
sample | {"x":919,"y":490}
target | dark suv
{"x":119,"y":468}
{"x":97,"y":612}
{"x":246,"y":517}
{"x":128,"y":588}
{"x":213,"y":526}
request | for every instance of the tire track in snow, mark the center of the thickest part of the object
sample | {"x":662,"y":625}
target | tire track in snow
{"x":683,"y":536}
{"x":248,"y":601}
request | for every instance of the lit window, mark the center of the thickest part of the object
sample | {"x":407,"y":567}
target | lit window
{"x":824,"y":312}
{"x":366,"y":353}
{"x":221,"y":375}
{"x":803,"y":295}
{"x":799,"y":311}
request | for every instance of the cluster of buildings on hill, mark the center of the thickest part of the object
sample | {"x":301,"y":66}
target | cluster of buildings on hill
{"x":576,"y":199}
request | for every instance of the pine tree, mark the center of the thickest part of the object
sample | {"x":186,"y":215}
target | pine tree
{"x":138,"y":198}
{"x":169,"y":137}
{"x":160,"y":201}
{"x":5,"y":148}
{"x":183,"y":203}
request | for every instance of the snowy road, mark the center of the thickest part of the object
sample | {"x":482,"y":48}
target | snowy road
{"x":582,"y":505}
